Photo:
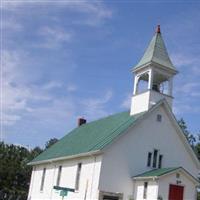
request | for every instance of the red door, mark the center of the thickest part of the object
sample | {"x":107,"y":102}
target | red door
{"x":176,"y":192}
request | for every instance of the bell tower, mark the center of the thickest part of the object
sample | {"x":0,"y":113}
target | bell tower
{"x":154,"y":74}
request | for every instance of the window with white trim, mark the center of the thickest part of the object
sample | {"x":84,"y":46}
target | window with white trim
{"x":78,"y":174}
{"x":59,"y":175}
{"x":145,"y":190}
{"x":159,"y":118}
{"x":43,"y":179}
{"x":160,"y":161}
{"x":149,"y":159}
{"x":154,"y":159}
{"x":155,"y":155}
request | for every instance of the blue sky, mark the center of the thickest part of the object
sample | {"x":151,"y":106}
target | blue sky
{"x":65,"y":59}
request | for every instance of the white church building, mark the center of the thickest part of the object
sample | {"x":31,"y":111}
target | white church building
{"x":141,"y":154}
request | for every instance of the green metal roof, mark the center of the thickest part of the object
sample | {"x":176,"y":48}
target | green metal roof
{"x":157,"y":172}
{"x":156,"y":52}
{"x":163,"y":171}
{"x":89,"y":137}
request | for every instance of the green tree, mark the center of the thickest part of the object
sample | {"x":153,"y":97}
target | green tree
{"x":35,"y":152}
{"x":14,"y":172}
{"x":183,"y":126}
{"x":190,"y":137}
{"x":197,"y":146}
{"x":50,"y":142}
{"x":194,"y":141}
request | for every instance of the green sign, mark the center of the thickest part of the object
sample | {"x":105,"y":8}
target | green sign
{"x":63,"y":193}
{"x":64,"y":188}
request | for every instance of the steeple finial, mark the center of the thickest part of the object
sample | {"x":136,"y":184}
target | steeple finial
{"x":158,"y":29}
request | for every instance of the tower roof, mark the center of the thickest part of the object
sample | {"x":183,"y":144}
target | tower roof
{"x":156,"y":52}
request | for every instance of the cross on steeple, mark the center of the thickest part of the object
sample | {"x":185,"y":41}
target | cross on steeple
{"x":158,"y":29}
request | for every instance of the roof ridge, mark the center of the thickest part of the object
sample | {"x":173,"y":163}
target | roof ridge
{"x":106,"y":117}
{"x":88,"y":123}
{"x":155,"y":45}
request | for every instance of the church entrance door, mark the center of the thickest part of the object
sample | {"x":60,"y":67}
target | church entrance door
{"x":110,"y":198}
{"x":176,"y":192}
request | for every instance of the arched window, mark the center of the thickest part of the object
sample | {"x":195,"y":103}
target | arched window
{"x":142,"y":84}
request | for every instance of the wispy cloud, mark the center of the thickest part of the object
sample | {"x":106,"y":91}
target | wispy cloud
{"x":93,"y":12}
{"x":10,"y":24}
{"x":187,"y":89}
{"x":52,"y":85}
{"x":185,"y":107}
{"x":21,"y":99}
{"x":96,"y":11}
{"x":186,"y":57}
{"x":71,"y":87}
{"x":51,"y":34}
{"x":33,"y":104}
{"x":53,"y":37}
{"x":34,"y":95}
{"x":94,"y":108}
{"x":182,"y":60}
{"x":126,"y":103}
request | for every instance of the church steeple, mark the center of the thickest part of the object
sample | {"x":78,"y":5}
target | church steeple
{"x":156,"y":52}
{"x":153,"y":76}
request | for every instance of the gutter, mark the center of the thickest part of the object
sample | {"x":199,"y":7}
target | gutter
{"x":147,"y":177}
{"x":64,"y":158}
{"x":157,"y":65}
